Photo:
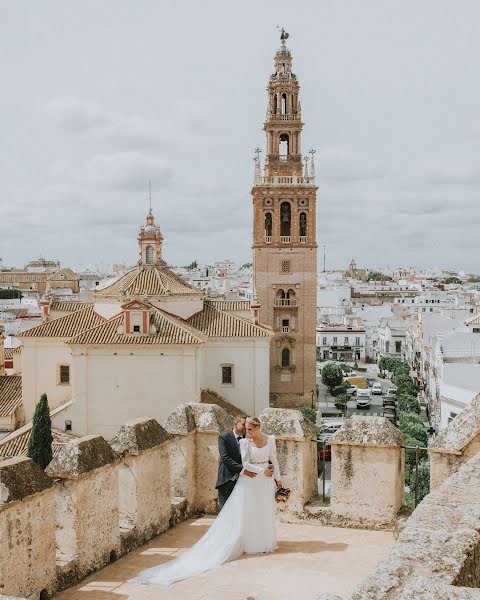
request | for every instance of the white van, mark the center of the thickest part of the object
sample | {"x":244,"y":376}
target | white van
{"x":363,"y":398}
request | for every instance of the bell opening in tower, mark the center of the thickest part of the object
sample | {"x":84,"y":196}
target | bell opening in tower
{"x":285,"y":219}
{"x":284,"y":144}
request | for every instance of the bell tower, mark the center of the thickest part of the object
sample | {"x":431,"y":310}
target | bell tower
{"x":284,"y":240}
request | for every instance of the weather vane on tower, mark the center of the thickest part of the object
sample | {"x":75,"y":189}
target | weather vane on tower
{"x":283,"y":34}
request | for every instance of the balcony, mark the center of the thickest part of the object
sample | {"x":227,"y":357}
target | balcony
{"x":278,"y":117}
{"x":303,"y":239}
{"x":285,"y":239}
{"x":285,"y":302}
{"x":280,"y":180}
{"x":268,"y":239}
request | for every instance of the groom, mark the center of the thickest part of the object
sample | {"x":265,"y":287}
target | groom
{"x":230,"y":465}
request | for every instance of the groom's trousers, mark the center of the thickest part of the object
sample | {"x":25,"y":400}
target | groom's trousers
{"x":224,"y":492}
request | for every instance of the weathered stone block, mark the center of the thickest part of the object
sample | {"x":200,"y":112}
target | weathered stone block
{"x":194,"y":453}
{"x":81,"y":456}
{"x":139,"y":435}
{"x":27,"y":529}
{"x":21,"y":477}
{"x":297,"y":453}
{"x":87,"y":507}
{"x":144,"y":481}
{"x":367,"y":470}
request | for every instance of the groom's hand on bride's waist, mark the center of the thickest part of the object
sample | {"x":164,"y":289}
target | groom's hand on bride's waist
{"x":249,"y":473}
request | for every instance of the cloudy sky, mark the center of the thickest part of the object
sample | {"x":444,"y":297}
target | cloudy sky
{"x":98,"y":97}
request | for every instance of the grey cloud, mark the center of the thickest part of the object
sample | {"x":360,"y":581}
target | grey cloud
{"x":452,"y":173}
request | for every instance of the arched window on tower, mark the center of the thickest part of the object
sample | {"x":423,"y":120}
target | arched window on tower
{"x":275,"y":103}
{"x":285,"y":219}
{"x":268,"y":225}
{"x":284,"y":104}
{"x":285,"y":357}
{"x":149,"y":254}
{"x":303,"y":225}
{"x":284,"y":144}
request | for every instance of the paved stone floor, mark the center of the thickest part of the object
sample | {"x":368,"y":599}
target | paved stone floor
{"x":310,"y":560}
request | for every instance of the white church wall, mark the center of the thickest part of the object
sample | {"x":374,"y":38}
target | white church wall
{"x":114,"y":385}
{"x":249,"y":390}
{"x":41,"y":361}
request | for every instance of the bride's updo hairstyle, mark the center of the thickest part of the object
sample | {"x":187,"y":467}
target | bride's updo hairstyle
{"x":254,"y":421}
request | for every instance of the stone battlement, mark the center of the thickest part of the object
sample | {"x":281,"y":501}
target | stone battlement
{"x":97,"y":500}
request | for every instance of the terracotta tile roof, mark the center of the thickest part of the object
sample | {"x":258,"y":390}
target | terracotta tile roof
{"x":17,"y":276}
{"x":17,"y":445}
{"x":209,"y":397}
{"x":28,"y":277}
{"x":219,"y":323}
{"x":146,"y":280}
{"x":18,"y":313}
{"x":69,"y":305}
{"x":10,"y":394}
{"x":16,"y":442}
{"x":17,"y":350}
{"x":170,"y":330}
{"x":66,"y":326}
{"x":231,"y":305}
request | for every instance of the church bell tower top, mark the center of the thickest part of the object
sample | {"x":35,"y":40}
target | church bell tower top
{"x":150,"y":241}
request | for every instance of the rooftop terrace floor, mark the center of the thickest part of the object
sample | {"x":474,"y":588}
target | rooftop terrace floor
{"x":310,"y":560}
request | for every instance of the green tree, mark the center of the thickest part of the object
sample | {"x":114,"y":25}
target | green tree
{"x":405,"y":385}
{"x":455,"y":280}
{"x":377,"y":276}
{"x":407,"y":403}
{"x":416,"y":431}
{"x":10,"y":294}
{"x":332,"y":375}
{"x":192,"y":265}
{"x":308,"y":412}
{"x":40,"y":444}
{"x":341,"y":402}
{"x":423,"y":484}
{"x":406,"y":418}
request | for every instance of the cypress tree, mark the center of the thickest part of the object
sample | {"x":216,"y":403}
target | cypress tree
{"x":40,"y":444}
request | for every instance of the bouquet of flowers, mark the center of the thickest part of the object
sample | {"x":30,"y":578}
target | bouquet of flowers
{"x":282,"y":494}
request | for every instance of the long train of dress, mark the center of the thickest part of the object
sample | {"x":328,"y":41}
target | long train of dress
{"x":246,"y":523}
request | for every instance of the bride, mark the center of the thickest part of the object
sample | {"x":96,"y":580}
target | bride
{"x":246,"y":523}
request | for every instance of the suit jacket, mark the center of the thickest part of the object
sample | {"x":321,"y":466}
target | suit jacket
{"x":230,"y":459}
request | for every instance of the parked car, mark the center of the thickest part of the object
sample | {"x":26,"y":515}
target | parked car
{"x":389,"y":401}
{"x":392,"y":392}
{"x":377,"y":388}
{"x":324,"y":448}
{"x":352,"y":390}
{"x":349,"y":373}
{"x":390,"y":413}
{"x":363,"y":398}
{"x":330,"y":426}
{"x":370,"y":381}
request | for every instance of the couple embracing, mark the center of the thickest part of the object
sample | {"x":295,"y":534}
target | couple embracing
{"x":248,"y":473}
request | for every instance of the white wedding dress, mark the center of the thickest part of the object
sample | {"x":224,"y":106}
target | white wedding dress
{"x":246,"y":523}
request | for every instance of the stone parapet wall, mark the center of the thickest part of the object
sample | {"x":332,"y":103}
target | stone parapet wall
{"x":99,"y":500}
{"x":437,"y":554}
{"x":194,"y":459}
{"x":367,"y":470}
{"x":456,"y":444}
{"x":27,"y":529}
{"x":296,"y":439}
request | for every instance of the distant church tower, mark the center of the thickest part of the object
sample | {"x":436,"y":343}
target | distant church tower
{"x":284,"y":244}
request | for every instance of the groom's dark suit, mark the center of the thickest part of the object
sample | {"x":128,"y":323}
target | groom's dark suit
{"x":229,"y":467}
